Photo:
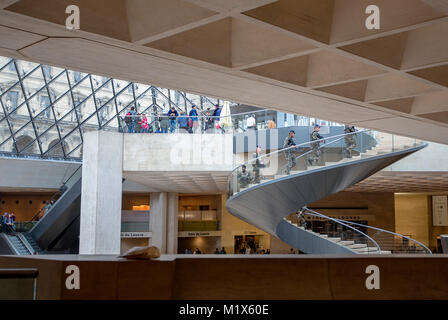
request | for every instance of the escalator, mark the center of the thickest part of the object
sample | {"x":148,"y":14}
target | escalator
{"x":278,"y":191}
{"x":57,"y":231}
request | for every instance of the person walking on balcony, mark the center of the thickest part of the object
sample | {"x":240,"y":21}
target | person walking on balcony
{"x":194,"y":118}
{"x":244,"y":177}
{"x":350,"y":142}
{"x":290,"y":157}
{"x":315,"y":153}
{"x":251,"y":122}
{"x":172,"y":114}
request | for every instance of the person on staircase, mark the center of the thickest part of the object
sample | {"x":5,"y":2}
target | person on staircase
{"x":257,"y":165}
{"x":315,"y":154}
{"x":290,"y":157}
{"x":244,"y":177}
{"x":301,"y":217}
{"x":350,"y":142}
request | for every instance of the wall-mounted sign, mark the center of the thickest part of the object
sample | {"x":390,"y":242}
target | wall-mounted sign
{"x":136,"y":234}
{"x":186,"y":234}
{"x":439,"y":211}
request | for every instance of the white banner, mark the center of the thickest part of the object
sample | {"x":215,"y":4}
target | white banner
{"x":439,"y":211}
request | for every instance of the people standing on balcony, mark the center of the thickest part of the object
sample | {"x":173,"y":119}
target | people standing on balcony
{"x":144,"y":124}
{"x":208,"y":123}
{"x":182,"y":120}
{"x":271,"y":124}
{"x":251,"y":122}
{"x":138,"y":124}
{"x":194,"y":118}
{"x":197,"y":251}
{"x":315,"y":154}
{"x":131,"y":120}
{"x":216,"y":115}
{"x":216,"y":251}
{"x":290,"y":157}
{"x":350,"y":142}
{"x":223,"y":251}
{"x":172,"y":114}
{"x":164,"y":124}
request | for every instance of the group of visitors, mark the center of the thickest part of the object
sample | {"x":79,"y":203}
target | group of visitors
{"x":197,"y":251}
{"x":7,"y":222}
{"x":245,"y":177}
{"x":173,"y":119}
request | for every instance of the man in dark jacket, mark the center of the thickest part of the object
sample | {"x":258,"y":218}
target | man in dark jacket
{"x":194,"y":117}
{"x":172,"y":114}
{"x":290,"y":157}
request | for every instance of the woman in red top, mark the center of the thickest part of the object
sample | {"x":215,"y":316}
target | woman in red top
{"x":145,"y":125}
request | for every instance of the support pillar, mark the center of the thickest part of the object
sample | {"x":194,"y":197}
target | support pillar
{"x":101,"y":193}
{"x":164,"y":220}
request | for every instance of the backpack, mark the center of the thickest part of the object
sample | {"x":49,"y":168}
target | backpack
{"x":127,"y":119}
{"x":190,"y":122}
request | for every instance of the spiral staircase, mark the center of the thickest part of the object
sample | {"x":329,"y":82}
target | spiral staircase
{"x":272,"y":194}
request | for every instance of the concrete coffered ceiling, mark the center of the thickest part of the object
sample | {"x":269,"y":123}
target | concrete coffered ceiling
{"x":307,"y":57}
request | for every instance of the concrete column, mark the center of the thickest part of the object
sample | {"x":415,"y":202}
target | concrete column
{"x":101,"y":193}
{"x":164,"y":221}
{"x":157,"y":219}
{"x":172,"y":223}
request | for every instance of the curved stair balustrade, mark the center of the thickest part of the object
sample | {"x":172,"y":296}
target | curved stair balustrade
{"x":263,"y":194}
{"x":335,"y":234}
{"x":390,"y":241}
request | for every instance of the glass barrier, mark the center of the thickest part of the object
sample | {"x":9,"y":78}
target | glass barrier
{"x":315,"y":154}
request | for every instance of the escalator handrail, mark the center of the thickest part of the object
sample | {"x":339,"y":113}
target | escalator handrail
{"x":34,"y":218}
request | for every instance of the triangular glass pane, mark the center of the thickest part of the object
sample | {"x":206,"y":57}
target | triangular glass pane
{"x":7,"y":146}
{"x":38,"y":103}
{"x":25,"y":67}
{"x":75,"y":76}
{"x":87,"y":109}
{"x":124,"y":100}
{"x":4,"y":129}
{"x":4,"y":61}
{"x":32,"y":149}
{"x":33,"y":83}
{"x":51,"y":144}
{"x":8,"y":77}
{"x":62,"y":106}
{"x":19,"y":117}
{"x":24,"y":137}
{"x":42,"y":125}
{"x":69,"y":121}
{"x":111,"y":124}
{"x":144,"y":100}
{"x":59,"y":86}
{"x":72,"y":141}
{"x":12,"y":98}
{"x":76,"y":152}
{"x":105,"y":113}
{"x":141,"y":88}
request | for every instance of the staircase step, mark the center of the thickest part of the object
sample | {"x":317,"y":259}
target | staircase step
{"x":367,"y":249}
{"x":334,"y":239}
{"x":357,"y":246}
{"x":323,"y":235}
{"x":346,"y":242}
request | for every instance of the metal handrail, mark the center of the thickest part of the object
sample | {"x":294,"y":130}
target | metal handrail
{"x":387,"y":231}
{"x":340,"y":136}
{"x":34,"y":218}
{"x":317,"y":214}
